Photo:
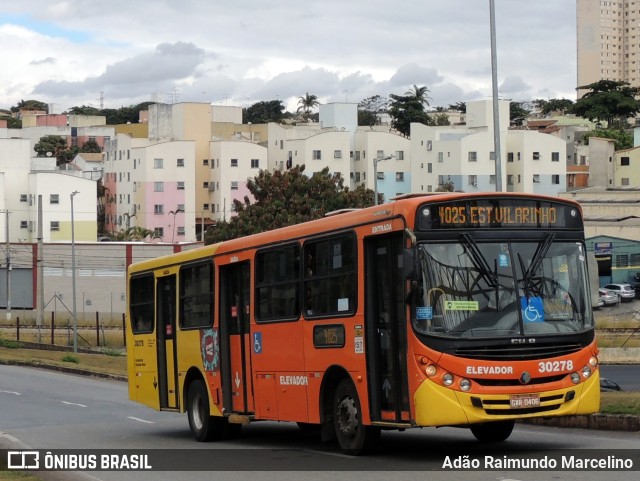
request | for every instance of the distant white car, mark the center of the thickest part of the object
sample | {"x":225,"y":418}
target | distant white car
{"x":607,"y":297}
{"x":624,"y":290}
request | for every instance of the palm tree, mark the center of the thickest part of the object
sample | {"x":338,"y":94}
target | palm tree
{"x":306,"y":103}
{"x":419,"y":94}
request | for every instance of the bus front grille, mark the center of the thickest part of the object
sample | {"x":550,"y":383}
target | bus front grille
{"x":517,"y":353}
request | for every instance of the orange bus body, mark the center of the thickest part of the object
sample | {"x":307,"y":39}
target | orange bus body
{"x":265,"y":350}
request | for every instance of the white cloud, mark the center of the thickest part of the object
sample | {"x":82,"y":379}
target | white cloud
{"x":250,"y":50}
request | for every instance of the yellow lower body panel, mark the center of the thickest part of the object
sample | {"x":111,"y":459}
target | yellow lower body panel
{"x":436,"y":405}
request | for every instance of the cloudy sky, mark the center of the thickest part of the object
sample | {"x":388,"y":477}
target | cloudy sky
{"x":237,"y":52}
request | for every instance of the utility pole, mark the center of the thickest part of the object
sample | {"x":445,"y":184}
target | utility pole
{"x":40,"y":273}
{"x":494,"y":82}
{"x":8,"y":247}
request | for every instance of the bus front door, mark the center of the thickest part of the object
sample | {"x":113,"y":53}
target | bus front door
{"x":166,"y":345}
{"x":234,"y":325}
{"x":386,"y":329}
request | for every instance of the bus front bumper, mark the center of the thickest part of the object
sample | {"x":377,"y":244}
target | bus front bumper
{"x":436,"y":405}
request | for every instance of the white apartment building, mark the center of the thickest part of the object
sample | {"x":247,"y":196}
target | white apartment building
{"x":531,"y":161}
{"x":608,"y":41}
{"x":232,"y":164}
{"x":151,"y":185}
{"x":23,"y":181}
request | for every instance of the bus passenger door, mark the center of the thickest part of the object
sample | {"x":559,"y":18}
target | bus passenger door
{"x":386,"y":329}
{"x":166,"y":335}
{"x":234,"y":325}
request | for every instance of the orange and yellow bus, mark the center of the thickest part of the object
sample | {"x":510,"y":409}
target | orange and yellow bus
{"x":466,"y":310}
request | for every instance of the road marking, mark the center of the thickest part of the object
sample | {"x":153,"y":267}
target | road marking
{"x":11,"y":392}
{"x":140,"y":420}
{"x":329,"y":453}
{"x":73,"y":404}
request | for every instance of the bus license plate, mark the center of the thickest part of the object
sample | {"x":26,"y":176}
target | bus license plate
{"x":520,"y":401}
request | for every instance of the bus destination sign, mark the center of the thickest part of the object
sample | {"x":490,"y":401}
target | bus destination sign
{"x":498,"y":213}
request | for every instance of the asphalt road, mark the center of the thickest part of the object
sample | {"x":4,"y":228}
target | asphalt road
{"x":50,"y":410}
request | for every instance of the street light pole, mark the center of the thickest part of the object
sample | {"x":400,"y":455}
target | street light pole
{"x":173,"y":234}
{"x":73,"y":276}
{"x":375,"y":176}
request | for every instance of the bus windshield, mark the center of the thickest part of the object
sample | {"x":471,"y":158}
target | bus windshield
{"x":482,"y":289}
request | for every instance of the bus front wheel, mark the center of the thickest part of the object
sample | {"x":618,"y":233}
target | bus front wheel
{"x":203,"y":426}
{"x":494,"y":432}
{"x":353,"y":436}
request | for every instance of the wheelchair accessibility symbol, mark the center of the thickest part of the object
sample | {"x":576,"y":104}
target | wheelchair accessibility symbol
{"x":257,"y":342}
{"x":532,"y":309}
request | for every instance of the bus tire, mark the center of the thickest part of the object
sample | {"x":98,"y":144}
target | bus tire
{"x":203,"y":426}
{"x":353,"y":436}
{"x":494,"y":432}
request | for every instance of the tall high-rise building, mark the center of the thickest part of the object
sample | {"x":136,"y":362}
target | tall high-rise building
{"x":608,"y":41}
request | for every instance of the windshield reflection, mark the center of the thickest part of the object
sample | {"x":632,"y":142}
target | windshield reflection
{"x":501,"y":289}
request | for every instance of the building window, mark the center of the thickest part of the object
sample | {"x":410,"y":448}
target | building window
{"x":399,"y":176}
{"x":492,"y":155}
{"x":205,"y":185}
{"x":180,"y":230}
{"x":234,"y":162}
{"x":440,"y":156}
{"x":509,"y":156}
{"x":624,"y":161}
{"x":158,"y":186}
{"x":23,"y":197}
{"x":316,"y":155}
{"x":473,"y":180}
{"x":399,"y":154}
{"x":492,"y":179}
{"x":180,"y":163}
{"x":622,"y":260}
{"x":357,"y":176}
{"x":536,"y":178}
{"x":509,"y":179}
{"x":234,"y":185}
{"x":180,"y":185}
{"x":54,"y":225}
{"x":473,"y":156}
{"x":429,"y":144}
{"x":430,"y":168}
{"x":205,"y":162}
{"x":205,"y":206}
{"x":519,"y":156}
{"x":337,"y":154}
{"x":357,"y":155}
{"x":255,"y":163}
{"x":158,"y":209}
{"x":624,"y":181}
{"x":555,"y":179}
{"x":380,"y":175}
{"x":158,"y":232}
{"x":24,"y":224}
{"x":555,"y":156}
{"x":54,"y":199}
{"x":157,"y":163}
{"x":536,"y":156}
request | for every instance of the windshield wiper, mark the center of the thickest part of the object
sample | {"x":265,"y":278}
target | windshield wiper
{"x":479,"y":260}
{"x":536,"y":260}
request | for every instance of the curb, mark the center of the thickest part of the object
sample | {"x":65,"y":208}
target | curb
{"x":67,"y":370}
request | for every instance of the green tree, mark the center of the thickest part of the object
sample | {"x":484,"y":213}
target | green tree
{"x":306,"y":103}
{"x":610,"y":101}
{"x":459,"y":106}
{"x":83,"y":110}
{"x":369,"y":108}
{"x":287,"y":198}
{"x":564,"y":106}
{"x":263,"y":112}
{"x":405,"y":109}
{"x":54,"y":146}
{"x":31,"y":105}
{"x":623,"y":140}
{"x":441,"y":119}
{"x":447,"y":186}
{"x":419,"y":94}
{"x":135,"y":233}
{"x":517,"y":113}
{"x":91,"y":146}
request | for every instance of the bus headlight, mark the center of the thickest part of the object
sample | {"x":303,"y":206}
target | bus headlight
{"x":447,"y":379}
{"x":465,"y":384}
{"x":575,"y":377}
{"x":431,"y":370}
{"x":586,"y":372}
{"x":593,"y":361}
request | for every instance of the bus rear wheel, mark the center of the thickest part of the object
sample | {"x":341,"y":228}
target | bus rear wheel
{"x":494,"y":432}
{"x":353,"y":436}
{"x":203,"y":426}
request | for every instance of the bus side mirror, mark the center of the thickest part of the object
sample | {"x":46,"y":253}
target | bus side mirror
{"x":409,"y":264}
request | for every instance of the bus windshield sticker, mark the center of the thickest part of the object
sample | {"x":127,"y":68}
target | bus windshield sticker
{"x":343,"y":304}
{"x":424,"y":313}
{"x":462,"y":306}
{"x":503,"y":260}
{"x":532,"y":310}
